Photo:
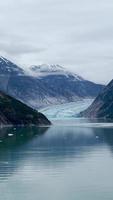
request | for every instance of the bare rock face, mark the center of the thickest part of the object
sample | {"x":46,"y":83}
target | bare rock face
{"x":14,"y":112}
{"x":102,"y":107}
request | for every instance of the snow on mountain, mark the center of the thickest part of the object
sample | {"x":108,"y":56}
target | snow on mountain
{"x":44,"y":84}
{"x":7,"y":67}
{"x":46,"y":70}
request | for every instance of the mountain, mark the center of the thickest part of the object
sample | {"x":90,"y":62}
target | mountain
{"x":50,"y":70}
{"x":102,"y":107}
{"x":14,"y":112}
{"x":44,"y":84}
{"x":9,"y":68}
{"x":64,"y":86}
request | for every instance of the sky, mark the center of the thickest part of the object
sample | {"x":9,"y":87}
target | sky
{"x":76,"y":34}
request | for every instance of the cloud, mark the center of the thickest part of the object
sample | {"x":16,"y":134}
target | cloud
{"x":16,"y":49}
{"x":75,"y":34}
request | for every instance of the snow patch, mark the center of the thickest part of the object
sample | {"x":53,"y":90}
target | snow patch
{"x":47,"y":70}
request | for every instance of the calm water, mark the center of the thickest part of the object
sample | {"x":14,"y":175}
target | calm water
{"x":59,"y":163}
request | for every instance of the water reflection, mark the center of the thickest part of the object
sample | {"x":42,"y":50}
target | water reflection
{"x":57,"y":145}
{"x":15,"y":136}
{"x":67,"y":158}
{"x":12,"y":141}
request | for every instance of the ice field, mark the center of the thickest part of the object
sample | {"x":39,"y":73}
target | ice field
{"x":66,"y":111}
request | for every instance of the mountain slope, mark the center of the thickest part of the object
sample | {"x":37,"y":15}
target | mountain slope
{"x":14,"y":112}
{"x":9,"y":68}
{"x":64,"y":86}
{"x":45,"y":84}
{"x":102,"y":107}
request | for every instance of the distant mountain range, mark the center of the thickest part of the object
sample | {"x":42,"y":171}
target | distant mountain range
{"x":44,"y":84}
{"x":14,"y":112}
{"x":102,"y":107}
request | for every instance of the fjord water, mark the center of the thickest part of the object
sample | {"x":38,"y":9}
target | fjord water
{"x":56,"y":163}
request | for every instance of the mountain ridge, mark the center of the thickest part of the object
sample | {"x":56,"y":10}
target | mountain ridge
{"x":44,"y":69}
{"x":102,"y":107}
{"x":46,"y":88}
{"x":14,"y":112}
{"x":9,"y":67}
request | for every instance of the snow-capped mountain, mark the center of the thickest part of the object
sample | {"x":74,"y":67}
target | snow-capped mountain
{"x":62,"y":85}
{"x":44,"y":84}
{"x":45,"y":70}
{"x":9,"y":68}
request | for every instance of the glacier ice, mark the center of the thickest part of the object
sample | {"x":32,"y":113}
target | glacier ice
{"x":67,"y":110}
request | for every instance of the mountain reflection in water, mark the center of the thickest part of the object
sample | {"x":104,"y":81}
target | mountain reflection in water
{"x":30,"y":154}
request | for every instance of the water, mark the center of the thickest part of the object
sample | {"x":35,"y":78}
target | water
{"x":57,"y":163}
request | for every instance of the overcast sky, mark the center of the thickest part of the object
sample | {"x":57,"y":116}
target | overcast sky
{"x":77,"y":34}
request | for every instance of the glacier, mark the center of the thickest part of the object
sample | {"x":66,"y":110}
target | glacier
{"x":67,"y":115}
{"x":67,"y":110}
